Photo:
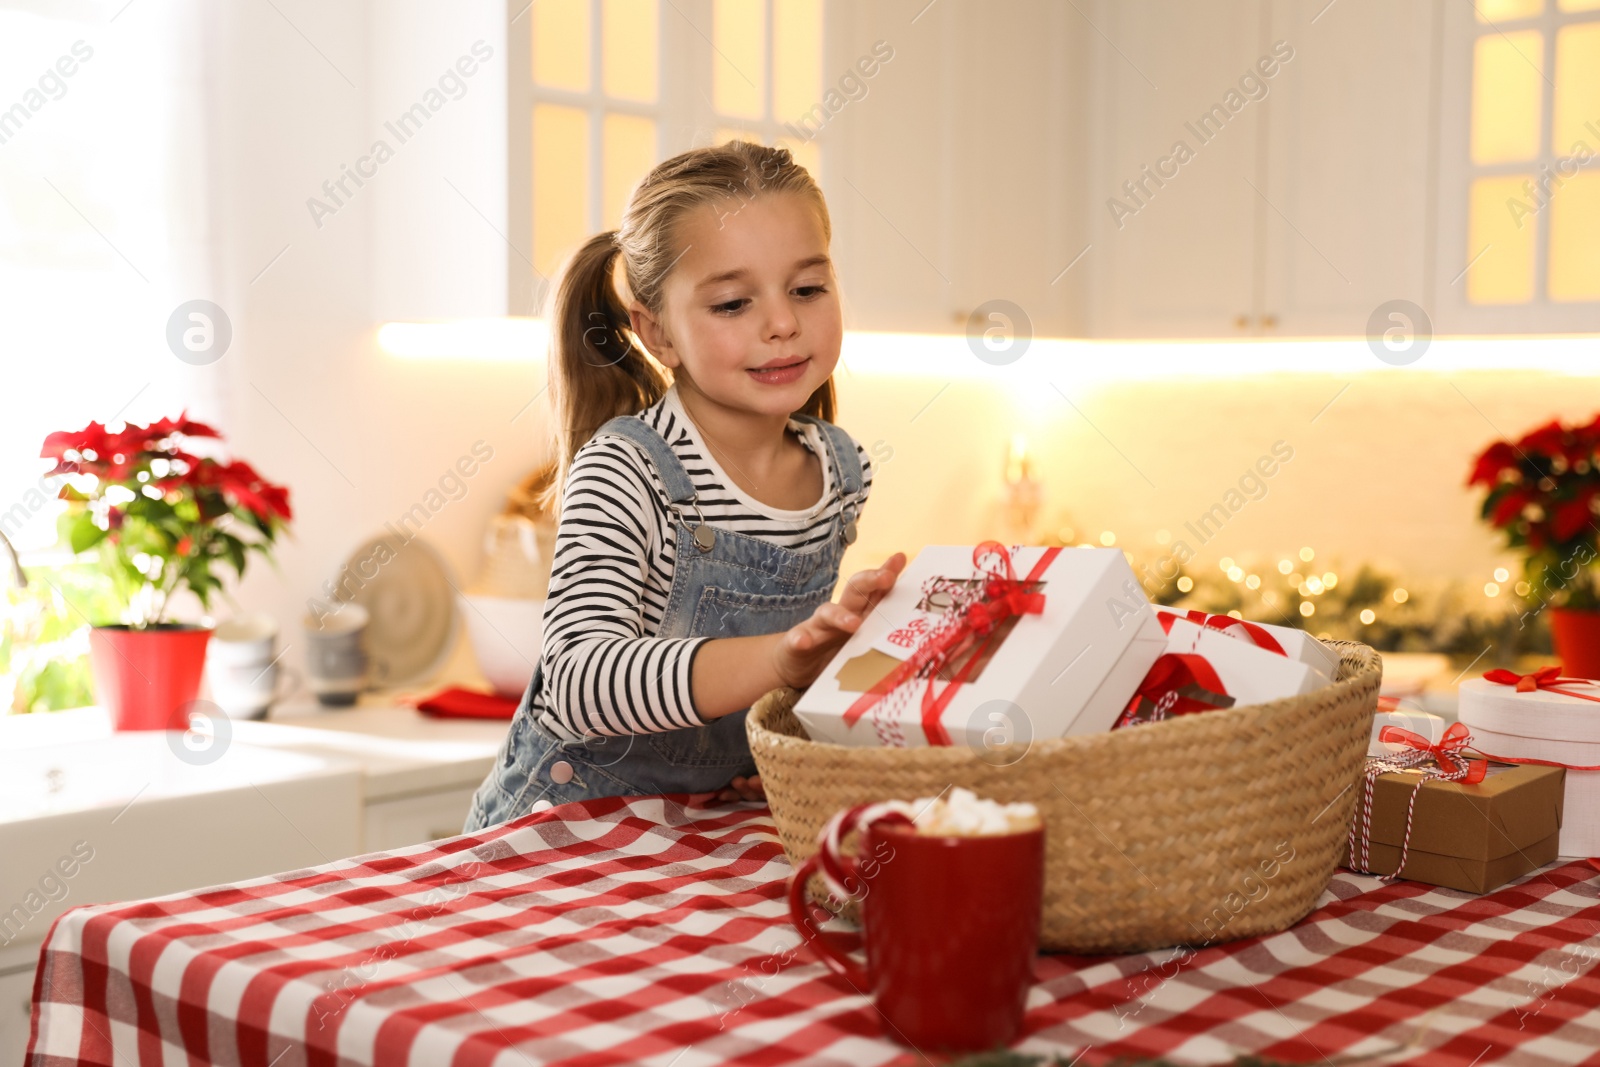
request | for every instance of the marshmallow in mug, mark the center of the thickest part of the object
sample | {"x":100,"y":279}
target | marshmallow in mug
{"x":965,"y":814}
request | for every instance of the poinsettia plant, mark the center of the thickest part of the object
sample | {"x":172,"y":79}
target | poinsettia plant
{"x":1543,"y":493}
{"x":161,"y":517}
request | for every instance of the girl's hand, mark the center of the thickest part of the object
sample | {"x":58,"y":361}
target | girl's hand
{"x":744,"y":789}
{"x":803,"y":651}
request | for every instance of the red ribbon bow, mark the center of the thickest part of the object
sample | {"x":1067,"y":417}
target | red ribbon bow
{"x":1546,"y":678}
{"x":1178,"y":683}
{"x":1003,"y":596}
{"x":1449,"y":753}
{"x":1253,"y":632}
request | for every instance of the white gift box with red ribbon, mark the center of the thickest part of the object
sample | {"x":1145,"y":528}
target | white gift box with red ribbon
{"x":1287,"y":640}
{"x":1205,"y":668}
{"x":1542,"y":717}
{"x":942,"y":661}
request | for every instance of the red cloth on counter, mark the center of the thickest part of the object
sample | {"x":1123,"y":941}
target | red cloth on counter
{"x":458,"y":703}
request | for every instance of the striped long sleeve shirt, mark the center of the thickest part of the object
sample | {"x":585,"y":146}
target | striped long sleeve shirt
{"x":605,"y":673}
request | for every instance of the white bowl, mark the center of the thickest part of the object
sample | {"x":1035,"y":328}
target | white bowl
{"x":506,"y":633}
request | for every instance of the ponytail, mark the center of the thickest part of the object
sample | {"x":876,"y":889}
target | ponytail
{"x":598,"y":369}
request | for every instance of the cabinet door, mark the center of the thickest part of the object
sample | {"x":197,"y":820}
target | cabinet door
{"x":16,"y":1014}
{"x":407,"y":821}
{"x":1178,"y":166}
{"x":1018,"y":170}
{"x":887,"y":170}
{"x":1348,"y":222}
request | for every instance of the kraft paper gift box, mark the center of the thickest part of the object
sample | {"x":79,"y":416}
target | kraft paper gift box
{"x":1469,"y":837}
{"x":1559,"y":726}
{"x":1206,"y":669}
{"x":1391,"y":712}
{"x":1294,"y":643}
{"x":1070,"y":668}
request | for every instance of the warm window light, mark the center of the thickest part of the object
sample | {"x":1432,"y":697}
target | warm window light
{"x":1049,"y":361}
{"x":467,"y":339}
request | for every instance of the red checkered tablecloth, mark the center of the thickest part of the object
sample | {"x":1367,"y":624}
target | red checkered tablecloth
{"x":652,"y":930}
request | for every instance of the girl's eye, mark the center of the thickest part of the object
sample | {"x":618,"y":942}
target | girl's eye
{"x":730,"y":307}
{"x":809,"y":292}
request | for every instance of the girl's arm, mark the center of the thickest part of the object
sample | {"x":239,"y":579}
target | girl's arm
{"x":603,"y":675}
{"x":731,"y":673}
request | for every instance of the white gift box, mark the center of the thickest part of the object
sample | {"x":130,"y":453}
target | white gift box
{"x":1248,"y":673}
{"x":1296,"y":643}
{"x":1070,"y":669}
{"x":1424,"y":724}
{"x":1549,"y":727}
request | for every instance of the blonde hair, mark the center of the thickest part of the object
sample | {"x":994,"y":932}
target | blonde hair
{"x":598,"y":368}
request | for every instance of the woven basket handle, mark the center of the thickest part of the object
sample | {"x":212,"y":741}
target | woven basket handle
{"x":799,"y":914}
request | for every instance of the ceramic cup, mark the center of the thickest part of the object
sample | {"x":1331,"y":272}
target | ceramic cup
{"x":337,"y":669}
{"x":242,"y":666}
{"x":951,"y":926}
{"x":244,"y":639}
{"x":248,"y":690}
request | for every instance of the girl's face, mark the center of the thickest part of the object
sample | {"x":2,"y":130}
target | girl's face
{"x":749,"y":312}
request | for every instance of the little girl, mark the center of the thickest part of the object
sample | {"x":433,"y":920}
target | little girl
{"x":701,"y":522}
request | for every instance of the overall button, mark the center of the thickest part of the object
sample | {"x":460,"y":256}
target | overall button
{"x":561,"y":772}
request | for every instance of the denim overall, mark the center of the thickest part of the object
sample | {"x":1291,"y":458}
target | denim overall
{"x":724,"y":584}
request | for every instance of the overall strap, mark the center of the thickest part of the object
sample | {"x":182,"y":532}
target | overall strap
{"x":671,"y":470}
{"x":842,"y":449}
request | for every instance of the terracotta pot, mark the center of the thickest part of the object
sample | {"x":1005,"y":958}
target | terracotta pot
{"x":146,"y":678}
{"x":1576,"y":635}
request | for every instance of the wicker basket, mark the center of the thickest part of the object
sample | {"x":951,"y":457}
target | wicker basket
{"x":1205,"y":828}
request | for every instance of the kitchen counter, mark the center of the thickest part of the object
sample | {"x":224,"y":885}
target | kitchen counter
{"x":306,"y":787}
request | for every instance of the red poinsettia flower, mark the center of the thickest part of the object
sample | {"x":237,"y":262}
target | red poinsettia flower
{"x":1548,"y":440}
{"x":92,"y":437}
{"x":187,"y":510}
{"x":184,"y":425}
{"x":1573,"y":515}
{"x":1492,"y":462}
{"x":1510,"y":507}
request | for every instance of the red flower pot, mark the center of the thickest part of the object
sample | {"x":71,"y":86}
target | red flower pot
{"x":1576,"y":635}
{"x":145,"y":677}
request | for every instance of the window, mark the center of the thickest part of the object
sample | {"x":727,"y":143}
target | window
{"x":766,"y":73}
{"x":1533,"y":185}
{"x":615,"y":86}
{"x":596,"y":104}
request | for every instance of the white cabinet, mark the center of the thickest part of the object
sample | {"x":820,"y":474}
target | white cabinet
{"x":956,"y":179}
{"x":397,"y":823}
{"x":1261,"y":167}
{"x":1177,"y":221}
{"x":16,"y":1011}
{"x":1348,"y":165}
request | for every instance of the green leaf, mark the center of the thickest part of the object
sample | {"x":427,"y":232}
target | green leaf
{"x":84,"y":534}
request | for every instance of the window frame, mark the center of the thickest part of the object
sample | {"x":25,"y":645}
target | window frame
{"x":684,"y":115}
{"x":1458,"y":314}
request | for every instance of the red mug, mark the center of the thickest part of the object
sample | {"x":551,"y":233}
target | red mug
{"x":951,"y":926}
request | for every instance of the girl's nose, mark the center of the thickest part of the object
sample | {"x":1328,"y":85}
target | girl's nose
{"x":783,"y":323}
